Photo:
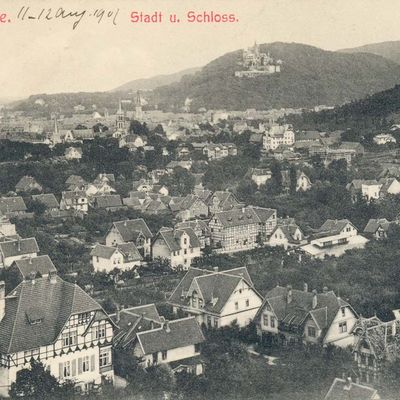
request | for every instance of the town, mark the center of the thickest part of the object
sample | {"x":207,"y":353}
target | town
{"x":161,"y":254}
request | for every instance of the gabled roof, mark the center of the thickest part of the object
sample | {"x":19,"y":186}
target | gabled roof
{"x":374,"y":224}
{"x":196,"y":225}
{"x":50,"y":302}
{"x":42,"y":265}
{"x":386,"y":183}
{"x":173,"y":335}
{"x":73,"y":195}
{"x":48,"y":199}
{"x":215,"y":287}
{"x":288,"y":229}
{"x":300,"y":307}
{"x":244,"y":216}
{"x":342,"y":390}
{"x":172,"y":237}
{"x":131,"y":229}
{"x":12,"y":204}
{"x":74,"y":180}
{"x":128,"y":250}
{"x":223,"y":196}
{"x":332,"y":227}
{"x":108,"y":200}
{"x":19,"y":247}
{"x":25,"y":183}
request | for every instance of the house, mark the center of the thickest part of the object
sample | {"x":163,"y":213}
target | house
{"x":191,"y":207}
{"x":179,"y":246}
{"x":183,"y":164}
{"x":384,"y":138}
{"x":135,"y":231}
{"x":132,"y":141}
{"x":370,"y":189}
{"x":342,"y":389}
{"x":13,"y":250}
{"x":241,"y":229}
{"x":333,"y":238}
{"x":203,"y":194}
{"x":292,"y":315}
{"x":287,"y":234}
{"x":28,"y":184}
{"x":176,"y":343}
{"x":12,"y":206}
{"x":376,"y":343}
{"x":378,"y":228}
{"x":73,"y":153}
{"x":303,"y":182}
{"x":278,"y":135}
{"x":75,"y":200}
{"x":124,"y":256}
{"x":109,"y":202}
{"x":200,"y":228}
{"x":101,"y":185}
{"x":260,"y":176}
{"x":216,"y":151}
{"x":183,"y":151}
{"x":72,"y":333}
{"x":7,"y":229}
{"x":48,"y":200}
{"x":217,"y":299}
{"x":357,"y":147}
{"x":390,"y":186}
{"x":153,"y":206}
{"x":222,"y":201}
{"x":142,"y":185}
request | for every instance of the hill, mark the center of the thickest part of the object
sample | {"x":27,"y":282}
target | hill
{"x":309,"y":76}
{"x":155,"y":81}
{"x":389,"y":50}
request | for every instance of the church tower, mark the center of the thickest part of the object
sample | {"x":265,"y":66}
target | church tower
{"x":56,"y":133}
{"x":138,"y":107}
{"x":120,"y":122}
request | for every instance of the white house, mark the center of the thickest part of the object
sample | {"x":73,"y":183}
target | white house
{"x":134,"y":230}
{"x":124,"y":256}
{"x":217,"y":299}
{"x":179,"y":246}
{"x":278,"y":135}
{"x":260,"y":176}
{"x":73,"y":153}
{"x":76,"y":200}
{"x":384,"y":138}
{"x":14,"y":250}
{"x":333,"y":238}
{"x":371,"y":189}
{"x":286,"y":234}
{"x":57,"y":323}
{"x":303,"y":316}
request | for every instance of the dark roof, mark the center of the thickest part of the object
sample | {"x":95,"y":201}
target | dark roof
{"x":332,"y":227}
{"x":172,"y":237}
{"x":12,"y":204}
{"x":244,"y":216}
{"x":342,"y":390}
{"x":50,"y":302}
{"x":74,"y":180}
{"x":42,"y":265}
{"x":128,"y":250}
{"x":48,"y":199}
{"x":24,"y":184}
{"x":215,"y":287}
{"x":130,"y":229}
{"x":373,"y":225}
{"x":19,"y":247}
{"x":174,"y":334}
{"x":108,"y":200}
{"x":300,"y":307}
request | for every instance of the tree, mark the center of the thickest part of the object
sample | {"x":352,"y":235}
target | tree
{"x":36,"y":382}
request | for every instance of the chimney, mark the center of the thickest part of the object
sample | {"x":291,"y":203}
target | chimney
{"x":314,"y":300}
{"x":2,"y":299}
{"x":325,"y":290}
{"x":289,"y":297}
{"x":32,"y":276}
{"x":347,"y":386}
{"x":305,"y":287}
{"x":19,"y":244}
{"x":167,"y":327}
{"x":216,"y":269}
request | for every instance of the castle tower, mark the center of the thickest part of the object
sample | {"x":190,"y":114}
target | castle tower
{"x":138,"y":107}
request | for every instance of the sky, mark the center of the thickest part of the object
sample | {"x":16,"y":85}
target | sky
{"x":41,"y":56}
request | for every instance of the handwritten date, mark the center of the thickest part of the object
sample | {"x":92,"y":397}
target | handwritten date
{"x":49,"y":14}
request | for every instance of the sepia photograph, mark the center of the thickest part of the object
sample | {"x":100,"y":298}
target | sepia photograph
{"x":200,"y":200}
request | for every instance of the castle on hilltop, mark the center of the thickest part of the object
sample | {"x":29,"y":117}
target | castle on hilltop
{"x":256,"y":63}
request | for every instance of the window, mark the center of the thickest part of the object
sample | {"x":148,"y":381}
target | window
{"x":155,"y":358}
{"x":208,"y":321}
{"x":236,"y":305}
{"x":34,"y":353}
{"x":342,"y":327}
{"x":66,"y":369}
{"x":311,"y":332}
{"x":197,"y":348}
{"x":164,"y":354}
{"x":185,"y":251}
{"x":85,"y":364}
{"x":105,"y":357}
{"x":100,"y":332}
{"x":84,"y":318}
{"x":215,"y":323}
{"x":185,"y":241}
{"x":70,"y":338}
{"x":247,"y":302}
{"x":265,"y":320}
{"x":272,"y":319}
{"x":343,"y":312}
